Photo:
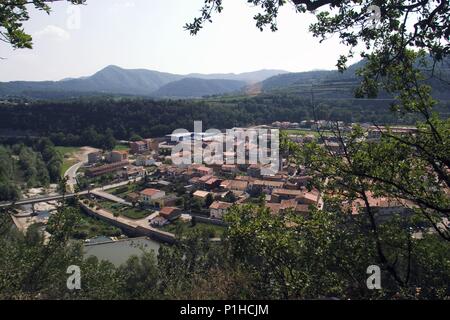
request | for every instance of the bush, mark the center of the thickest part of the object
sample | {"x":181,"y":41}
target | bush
{"x":121,"y":190}
{"x":80,"y":234}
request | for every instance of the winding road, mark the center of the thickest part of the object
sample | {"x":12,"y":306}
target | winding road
{"x":71,"y":173}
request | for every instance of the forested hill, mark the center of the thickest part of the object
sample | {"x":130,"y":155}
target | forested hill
{"x":193,"y":87}
{"x":135,"y":82}
{"x":333,"y":84}
{"x":114,"y":80}
{"x":92,"y":121}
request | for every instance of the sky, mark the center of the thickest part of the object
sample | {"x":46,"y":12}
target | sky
{"x":75,"y":41}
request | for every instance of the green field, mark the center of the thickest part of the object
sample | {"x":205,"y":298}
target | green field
{"x":89,"y":227}
{"x":66,"y":153}
{"x":186,"y":227}
{"x":122,"y":147}
{"x":125,"y":211}
{"x":122,"y":191}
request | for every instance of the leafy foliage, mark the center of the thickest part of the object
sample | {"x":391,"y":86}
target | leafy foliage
{"x":13,"y":13}
{"x":33,"y":166}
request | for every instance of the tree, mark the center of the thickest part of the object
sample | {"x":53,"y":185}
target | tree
{"x":140,"y":276}
{"x":209,"y":199}
{"x":230,"y":197}
{"x":13,"y":13}
{"x":400,"y":52}
{"x":136,"y":137}
{"x":326,"y":254}
{"x":193,"y":221}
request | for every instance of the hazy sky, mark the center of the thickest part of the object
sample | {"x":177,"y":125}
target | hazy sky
{"x":149,"y":34}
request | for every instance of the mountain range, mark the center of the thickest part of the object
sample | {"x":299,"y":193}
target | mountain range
{"x":114,"y":80}
{"x":140,"y":82}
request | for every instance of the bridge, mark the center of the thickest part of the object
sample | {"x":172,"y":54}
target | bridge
{"x":97,"y":191}
{"x":41,"y":199}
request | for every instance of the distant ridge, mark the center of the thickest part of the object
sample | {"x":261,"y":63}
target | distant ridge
{"x":113,"y":80}
{"x":141,"y":82}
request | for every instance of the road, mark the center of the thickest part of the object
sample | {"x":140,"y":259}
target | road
{"x":110,"y":197}
{"x":68,"y":195}
{"x":71,"y":173}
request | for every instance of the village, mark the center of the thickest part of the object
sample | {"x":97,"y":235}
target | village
{"x":155,"y":194}
{"x":139,"y":192}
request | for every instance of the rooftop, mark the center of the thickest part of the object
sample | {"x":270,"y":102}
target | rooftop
{"x":220,"y":205}
{"x":150,"y":192}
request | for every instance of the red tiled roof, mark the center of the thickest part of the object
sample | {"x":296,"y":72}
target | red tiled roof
{"x":212,"y":181}
{"x":288,"y":192}
{"x":302,"y":208}
{"x":288,"y":204}
{"x":273,"y":207}
{"x":205,"y":178}
{"x":167,"y":211}
{"x":150,"y":192}
{"x":220,"y":205}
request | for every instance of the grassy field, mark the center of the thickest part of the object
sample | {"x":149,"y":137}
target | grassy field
{"x":122,"y":147}
{"x":125,"y":211}
{"x":67,"y":153}
{"x":89,"y":227}
{"x":122,"y":191}
{"x":185,"y":227}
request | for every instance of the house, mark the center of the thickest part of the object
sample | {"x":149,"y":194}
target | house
{"x":384,"y":207}
{"x":234,"y":185}
{"x":204,"y":170}
{"x":170,"y":213}
{"x":131,"y":172}
{"x":151,"y":196}
{"x":229,"y":168}
{"x":145,"y":160}
{"x":288,"y":204}
{"x":107,"y":168}
{"x":199,"y":194}
{"x":218,"y":208}
{"x":138,"y":146}
{"x":212,"y":183}
{"x":118,"y":156}
{"x":202,"y":181}
{"x":144,"y":146}
{"x":276,"y":177}
{"x":277,"y":208}
{"x":310,"y":197}
{"x":245,"y":178}
{"x":158,"y":221}
{"x":333,"y":146}
{"x":274,"y":208}
{"x":301,"y":181}
{"x":194,"y":180}
{"x":285,"y":194}
{"x":302,"y":209}
{"x":267,"y":185}
{"x":94,"y":157}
